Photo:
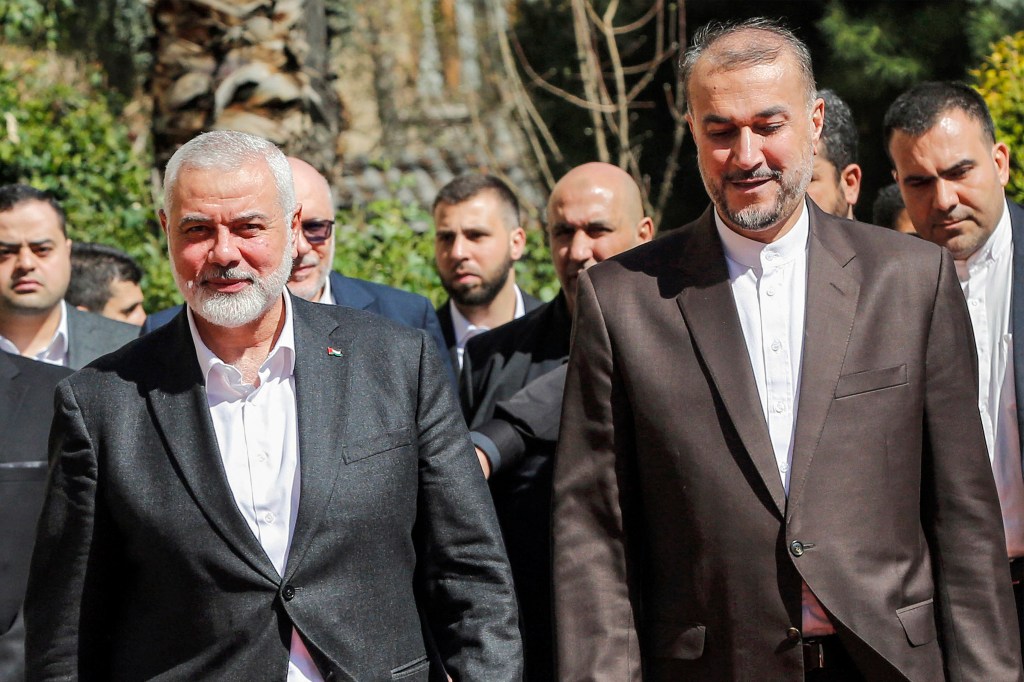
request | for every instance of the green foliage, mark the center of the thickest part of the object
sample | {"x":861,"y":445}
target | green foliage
{"x":59,"y":134}
{"x":34,"y":23}
{"x":1000,"y":80}
{"x":380,"y":242}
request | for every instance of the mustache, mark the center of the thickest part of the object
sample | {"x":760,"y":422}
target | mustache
{"x":757,"y":174}
{"x":310,"y":259}
{"x":218,"y":272}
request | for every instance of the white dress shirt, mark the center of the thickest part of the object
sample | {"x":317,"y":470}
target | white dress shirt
{"x":327,"y":296}
{"x":257,"y":435}
{"x":769,"y":285}
{"x":55,"y":352}
{"x":465,"y":330}
{"x":987,"y":281}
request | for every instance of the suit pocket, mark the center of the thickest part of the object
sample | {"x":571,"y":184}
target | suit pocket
{"x":376,"y":445}
{"x":871,"y":380}
{"x":671,"y":640}
{"x":412,"y":669}
{"x":918,"y":622}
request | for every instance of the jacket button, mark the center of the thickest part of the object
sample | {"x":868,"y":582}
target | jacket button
{"x":793,"y":634}
{"x":288,"y":592}
{"x":796,"y":548}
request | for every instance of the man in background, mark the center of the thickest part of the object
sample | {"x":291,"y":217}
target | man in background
{"x":106,"y":281}
{"x":515,"y":372}
{"x":890,"y":211}
{"x":35,"y":267}
{"x":477,"y":241}
{"x":951,"y":171}
{"x":835,"y":179}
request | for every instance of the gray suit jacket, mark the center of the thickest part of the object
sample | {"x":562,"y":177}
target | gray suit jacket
{"x":677,"y":553}
{"x":91,"y":335}
{"x":145,"y":567}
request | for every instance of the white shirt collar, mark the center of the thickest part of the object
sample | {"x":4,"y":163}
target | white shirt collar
{"x":465,"y":330}
{"x":327,"y":296}
{"x":996,"y":246}
{"x":56,"y":351}
{"x":280,"y":362}
{"x":748,"y":252}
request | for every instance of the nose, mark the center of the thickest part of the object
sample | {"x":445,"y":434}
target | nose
{"x":746,"y":151}
{"x":946,"y":198}
{"x":25,"y":260}
{"x":301,"y":245}
{"x":224,"y":251}
{"x":581,"y":250}
{"x":458,"y":252}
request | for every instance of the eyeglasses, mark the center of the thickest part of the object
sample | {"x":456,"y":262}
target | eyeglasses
{"x":317,"y":231}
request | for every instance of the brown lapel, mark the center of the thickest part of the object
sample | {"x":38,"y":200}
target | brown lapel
{"x":832,"y":295}
{"x":710,"y":312}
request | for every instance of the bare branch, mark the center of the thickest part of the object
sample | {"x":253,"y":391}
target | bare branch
{"x":541,"y":82}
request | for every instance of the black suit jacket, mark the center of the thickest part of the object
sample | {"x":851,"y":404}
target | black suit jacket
{"x":1017,"y":311}
{"x":91,"y":335}
{"x":497,"y":363}
{"x":145,"y":567}
{"x":444,"y":316}
{"x":26,"y":410}
{"x":403,"y":307}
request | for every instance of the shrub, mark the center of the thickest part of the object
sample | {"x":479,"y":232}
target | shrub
{"x":1000,"y":80}
{"x":59,"y":133}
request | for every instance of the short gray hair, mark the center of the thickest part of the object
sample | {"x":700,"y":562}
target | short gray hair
{"x":765,"y":48}
{"x":228,"y":150}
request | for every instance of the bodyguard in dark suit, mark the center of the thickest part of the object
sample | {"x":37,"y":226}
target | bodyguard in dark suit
{"x":263,"y":488}
{"x":477,"y":241}
{"x":595,"y":211}
{"x":770,"y":466}
{"x":26,"y":410}
{"x":35,"y":267}
{"x":313,"y":279}
{"x":951,"y":172}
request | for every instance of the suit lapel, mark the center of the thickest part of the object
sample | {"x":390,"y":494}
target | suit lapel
{"x":321,"y":386}
{"x":709,"y":309}
{"x":12,"y":392}
{"x":832,"y":295}
{"x":347,"y":293}
{"x":181,"y":410}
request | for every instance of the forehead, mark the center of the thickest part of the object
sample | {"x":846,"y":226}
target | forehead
{"x":315,"y":198}
{"x":482,"y":209}
{"x":581,"y":203}
{"x":218,"y":192}
{"x":747,"y":91}
{"x":30,"y":221}
{"x":955,"y":137}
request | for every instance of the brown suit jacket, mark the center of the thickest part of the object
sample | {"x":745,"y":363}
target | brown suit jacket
{"x":677,"y":554}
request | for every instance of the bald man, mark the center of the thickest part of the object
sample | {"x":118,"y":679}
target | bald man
{"x":595,"y":212}
{"x":313,"y":280}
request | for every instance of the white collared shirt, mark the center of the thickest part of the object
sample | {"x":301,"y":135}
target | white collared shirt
{"x":257,"y":435}
{"x":327,"y":296}
{"x":465,"y":330}
{"x":987,"y":281}
{"x":55,"y":352}
{"x":769,"y":285}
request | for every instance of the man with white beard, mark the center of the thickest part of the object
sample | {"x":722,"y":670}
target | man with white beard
{"x":260,"y":489}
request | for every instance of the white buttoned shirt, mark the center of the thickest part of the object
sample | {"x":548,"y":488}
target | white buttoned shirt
{"x":769,"y":285}
{"x":986,"y":278}
{"x":55,"y":352}
{"x":257,"y":435}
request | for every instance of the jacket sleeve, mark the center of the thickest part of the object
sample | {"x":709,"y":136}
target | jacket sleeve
{"x":595,"y":602}
{"x":463,"y":573}
{"x":65,"y":629}
{"x":960,"y":510}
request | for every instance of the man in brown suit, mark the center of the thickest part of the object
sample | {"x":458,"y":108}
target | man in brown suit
{"x":771,"y":466}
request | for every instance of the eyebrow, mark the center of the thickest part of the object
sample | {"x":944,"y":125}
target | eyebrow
{"x":959,"y":165}
{"x":15,"y":245}
{"x":765,"y":113}
{"x":200,"y":218}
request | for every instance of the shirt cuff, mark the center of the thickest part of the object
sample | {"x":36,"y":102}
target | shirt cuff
{"x":500,"y":442}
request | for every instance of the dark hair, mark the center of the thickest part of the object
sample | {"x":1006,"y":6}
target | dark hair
{"x":94,"y":267}
{"x":14,"y":195}
{"x":465,"y":187}
{"x":887,"y":206}
{"x":918,"y":109}
{"x":838,"y":134}
{"x":752,"y":53}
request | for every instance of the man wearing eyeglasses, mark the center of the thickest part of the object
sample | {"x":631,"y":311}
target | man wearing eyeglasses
{"x":313,"y":279}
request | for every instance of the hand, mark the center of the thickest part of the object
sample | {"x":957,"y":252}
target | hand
{"x":485,"y":464}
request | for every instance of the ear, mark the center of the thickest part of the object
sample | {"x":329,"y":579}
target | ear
{"x":82,"y":308}
{"x":689,"y":123}
{"x":517,"y":243}
{"x":849,"y":182}
{"x":817,"y":121}
{"x":296,"y":228}
{"x":645,"y":230}
{"x":163,"y":221}
{"x":1001,"y":156}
